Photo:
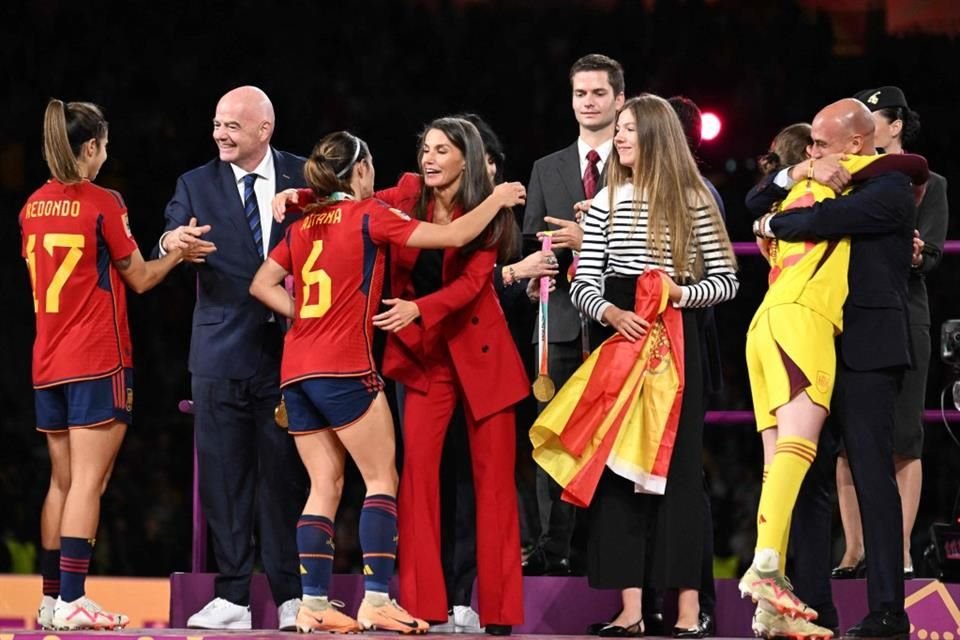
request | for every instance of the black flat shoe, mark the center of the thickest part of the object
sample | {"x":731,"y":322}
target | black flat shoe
{"x":499,"y":629}
{"x":594,"y":629}
{"x":634,"y":630}
{"x":908,"y":573}
{"x":693,"y":632}
{"x":858,"y":570}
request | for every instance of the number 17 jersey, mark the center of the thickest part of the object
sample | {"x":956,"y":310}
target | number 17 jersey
{"x":337,"y":255}
{"x":72,"y":235}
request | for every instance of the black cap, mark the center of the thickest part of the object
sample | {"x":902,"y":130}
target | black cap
{"x":882,"y":98}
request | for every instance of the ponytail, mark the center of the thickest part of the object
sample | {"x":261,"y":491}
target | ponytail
{"x":66,"y":127}
{"x":330,"y":165}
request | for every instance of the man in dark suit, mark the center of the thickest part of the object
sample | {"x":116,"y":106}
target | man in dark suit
{"x":558,"y":182}
{"x":873,"y":351}
{"x":235,"y":362}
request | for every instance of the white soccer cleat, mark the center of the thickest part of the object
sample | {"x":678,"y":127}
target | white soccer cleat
{"x":84,"y":613}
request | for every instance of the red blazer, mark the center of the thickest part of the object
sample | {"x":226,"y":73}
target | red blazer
{"x":467,"y":314}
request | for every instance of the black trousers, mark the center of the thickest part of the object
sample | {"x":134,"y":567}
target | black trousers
{"x":557,"y":518}
{"x":908,"y":421}
{"x":623,"y":525}
{"x":458,"y":514}
{"x":249,"y":471}
{"x":862,"y":415}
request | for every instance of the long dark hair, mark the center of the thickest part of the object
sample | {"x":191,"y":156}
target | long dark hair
{"x":911,"y":123}
{"x":475,"y":187}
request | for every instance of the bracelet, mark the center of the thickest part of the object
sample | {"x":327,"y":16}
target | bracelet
{"x":513,"y":274}
{"x":760,"y":225}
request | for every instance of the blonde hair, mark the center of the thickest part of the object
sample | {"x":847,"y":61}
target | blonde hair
{"x":665,"y":174}
{"x":66,"y":127}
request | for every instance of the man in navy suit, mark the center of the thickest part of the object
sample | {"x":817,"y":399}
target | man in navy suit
{"x":235,"y":362}
{"x":872,"y":354}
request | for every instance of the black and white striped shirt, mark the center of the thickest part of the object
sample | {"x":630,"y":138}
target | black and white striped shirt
{"x":612,"y":247}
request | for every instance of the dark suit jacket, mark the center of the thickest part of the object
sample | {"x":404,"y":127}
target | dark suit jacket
{"x":228,"y":323}
{"x":932,"y":219}
{"x":878,"y":215}
{"x":555,"y":186}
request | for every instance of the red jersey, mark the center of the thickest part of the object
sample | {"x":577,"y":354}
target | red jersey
{"x":337,"y":257}
{"x":72,"y":234}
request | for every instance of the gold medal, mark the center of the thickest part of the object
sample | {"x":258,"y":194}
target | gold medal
{"x":543,"y":389}
{"x":280,"y":414}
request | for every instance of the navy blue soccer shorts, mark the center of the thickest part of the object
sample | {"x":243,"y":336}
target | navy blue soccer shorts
{"x":329,"y":403}
{"x":85,"y":403}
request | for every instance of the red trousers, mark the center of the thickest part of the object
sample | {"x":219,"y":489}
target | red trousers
{"x":492,"y":451}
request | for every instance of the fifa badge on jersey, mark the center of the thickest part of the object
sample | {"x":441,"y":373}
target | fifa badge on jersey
{"x":129,"y":399}
{"x":399,"y":213}
{"x":126,"y":225}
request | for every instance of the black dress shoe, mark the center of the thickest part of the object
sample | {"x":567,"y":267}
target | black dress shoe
{"x":559,"y":567}
{"x":858,"y":570}
{"x":707,"y":624}
{"x":499,"y":629}
{"x":534,"y":564}
{"x":888,"y":625}
{"x":653,"y":623}
{"x":634,"y":630}
{"x":538,"y":564}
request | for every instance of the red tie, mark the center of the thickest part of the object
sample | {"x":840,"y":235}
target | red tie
{"x":591,"y":175}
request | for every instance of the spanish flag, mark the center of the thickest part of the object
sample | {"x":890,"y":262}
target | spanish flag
{"x":621,"y":408}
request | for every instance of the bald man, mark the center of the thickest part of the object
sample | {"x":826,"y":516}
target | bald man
{"x":873,"y":352}
{"x":244,"y":458}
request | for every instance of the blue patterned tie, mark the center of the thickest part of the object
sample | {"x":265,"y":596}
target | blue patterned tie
{"x":253,"y":211}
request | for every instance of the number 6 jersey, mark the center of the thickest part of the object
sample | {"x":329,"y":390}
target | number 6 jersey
{"x":72,"y":234}
{"x":337,"y":256}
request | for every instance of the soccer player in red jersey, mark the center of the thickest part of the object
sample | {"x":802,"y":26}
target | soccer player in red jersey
{"x":80,"y":251}
{"x":331,"y":389}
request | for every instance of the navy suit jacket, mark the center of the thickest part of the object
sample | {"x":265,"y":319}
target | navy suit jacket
{"x":878,"y":215}
{"x":229,"y":325}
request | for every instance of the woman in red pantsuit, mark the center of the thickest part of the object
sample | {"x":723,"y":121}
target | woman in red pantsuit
{"x":450,"y":344}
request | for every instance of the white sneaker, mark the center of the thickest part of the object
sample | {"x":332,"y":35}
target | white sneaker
{"x":466,"y":620}
{"x":45,"y":612}
{"x":84,"y":613}
{"x":221,"y":614}
{"x":447,"y":627}
{"x":287,"y":614}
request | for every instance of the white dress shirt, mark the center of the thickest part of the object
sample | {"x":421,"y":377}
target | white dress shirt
{"x":265,"y":187}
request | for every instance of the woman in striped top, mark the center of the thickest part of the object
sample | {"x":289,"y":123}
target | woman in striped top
{"x":655,"y":212}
